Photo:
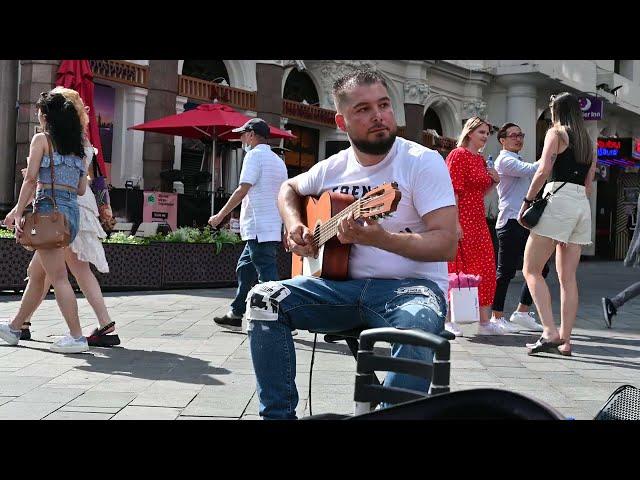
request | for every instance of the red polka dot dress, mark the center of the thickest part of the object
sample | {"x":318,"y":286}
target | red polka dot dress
{"x":475,"y":251}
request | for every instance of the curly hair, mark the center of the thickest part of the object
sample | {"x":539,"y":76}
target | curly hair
{"x":62,"y":122}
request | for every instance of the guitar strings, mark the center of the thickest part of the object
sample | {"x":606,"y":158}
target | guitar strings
{"x":330,"y":228}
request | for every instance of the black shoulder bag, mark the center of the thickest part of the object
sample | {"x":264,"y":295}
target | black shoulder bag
{"x":531,"y":215}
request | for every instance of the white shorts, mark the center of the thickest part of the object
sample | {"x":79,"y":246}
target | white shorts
{"x":567,"y":217}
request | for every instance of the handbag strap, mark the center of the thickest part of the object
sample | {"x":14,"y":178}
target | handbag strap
{"x":53,"y":172}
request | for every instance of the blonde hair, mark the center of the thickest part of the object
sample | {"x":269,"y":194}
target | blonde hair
{"x":74,"y":97}
{"x":470,"y":126}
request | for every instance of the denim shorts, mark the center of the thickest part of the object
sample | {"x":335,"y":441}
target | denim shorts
{"x":67,"y":203}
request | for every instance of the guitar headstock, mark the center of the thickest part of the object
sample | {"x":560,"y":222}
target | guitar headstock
{"x":380,"y":201}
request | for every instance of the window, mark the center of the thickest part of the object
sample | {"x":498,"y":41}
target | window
{"x":303,"y":150}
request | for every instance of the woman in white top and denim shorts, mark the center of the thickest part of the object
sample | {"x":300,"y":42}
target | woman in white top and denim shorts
{"x":568,"y":162}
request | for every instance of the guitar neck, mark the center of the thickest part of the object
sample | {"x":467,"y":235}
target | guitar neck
{"x":329,"y":229}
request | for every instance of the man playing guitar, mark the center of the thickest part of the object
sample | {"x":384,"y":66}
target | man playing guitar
{"x":397,"y":272}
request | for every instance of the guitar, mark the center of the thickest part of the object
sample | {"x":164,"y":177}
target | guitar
{"x":323,"y":215}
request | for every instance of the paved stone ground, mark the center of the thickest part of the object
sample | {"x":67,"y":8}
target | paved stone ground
{"x":175,"y":363}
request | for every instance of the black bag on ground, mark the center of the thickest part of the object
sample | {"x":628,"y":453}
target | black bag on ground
{"x":623,"y":404}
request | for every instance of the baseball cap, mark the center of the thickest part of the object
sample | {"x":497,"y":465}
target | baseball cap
{"x":254,"y":125}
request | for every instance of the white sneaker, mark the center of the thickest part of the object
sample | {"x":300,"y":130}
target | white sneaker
{"x":8,"y":335}
{"x":68,"y":344}
{"x":526,"y":320}
{"x":294,"y":333}
{"x":453,"y":328}
{"x":508,"y":327}
{"x":490,"y":328}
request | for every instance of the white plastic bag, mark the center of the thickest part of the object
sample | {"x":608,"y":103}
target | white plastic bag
{"x":465,"y":305}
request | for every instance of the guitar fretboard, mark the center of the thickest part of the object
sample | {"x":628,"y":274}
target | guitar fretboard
{"x":329,"y":229}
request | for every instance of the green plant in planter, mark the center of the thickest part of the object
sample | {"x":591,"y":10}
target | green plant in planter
{"x":181,"y":235}
{"x":6,"y":234}
{"x":121,"y":238}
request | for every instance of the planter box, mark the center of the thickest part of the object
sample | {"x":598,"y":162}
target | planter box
{"x":14,"y":261}
{"x":131,"y":267}
{"x":197,"y":265}
{"x":146,"y":267}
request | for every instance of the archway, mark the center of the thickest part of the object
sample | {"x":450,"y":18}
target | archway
{"x":432,"y":121}
{"x":211,"y":70}
{"x":299,"y":87}
{"x":447,"y":115}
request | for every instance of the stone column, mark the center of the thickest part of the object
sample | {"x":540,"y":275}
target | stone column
{"x":415,"y":95}
{"x":521,"y":109}
{"x":158,"y":153}
{"x":127,"y":163}
{"x":8,"y":118}
{"x":36,"y":76}
{"x":269,"y":93}
{"x":590,"y":250}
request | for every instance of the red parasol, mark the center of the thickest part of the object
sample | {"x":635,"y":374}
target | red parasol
{"x":77,"y":75}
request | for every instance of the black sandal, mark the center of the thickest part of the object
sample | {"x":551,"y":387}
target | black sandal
{"x":543,"y":345}
{"x":25,"y":333}
{"x":99,"y":338}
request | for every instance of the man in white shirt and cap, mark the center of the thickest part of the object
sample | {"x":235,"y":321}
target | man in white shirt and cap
{"x":262,"y":174}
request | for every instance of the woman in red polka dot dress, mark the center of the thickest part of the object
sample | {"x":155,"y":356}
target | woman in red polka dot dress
{"x":471,"y":180}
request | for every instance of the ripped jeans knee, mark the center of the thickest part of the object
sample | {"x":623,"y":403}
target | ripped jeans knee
{"x":416,"y":307}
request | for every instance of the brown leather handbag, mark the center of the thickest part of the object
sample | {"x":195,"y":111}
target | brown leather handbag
{"x":45,"y":230}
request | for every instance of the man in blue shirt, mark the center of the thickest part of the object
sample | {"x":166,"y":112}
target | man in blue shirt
{"x":515,"y":178}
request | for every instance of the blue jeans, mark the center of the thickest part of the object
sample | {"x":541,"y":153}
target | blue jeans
{"x":256,"y":263}
{"x":309,"y":303}
{"x":67,"y":203}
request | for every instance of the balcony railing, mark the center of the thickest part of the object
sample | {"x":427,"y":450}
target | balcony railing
{"x":121,"y":72}
{"x":199,"y":89}
{"x":308,"y":113}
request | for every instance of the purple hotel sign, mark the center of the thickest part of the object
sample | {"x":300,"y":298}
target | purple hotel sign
{"x":591,"y":108}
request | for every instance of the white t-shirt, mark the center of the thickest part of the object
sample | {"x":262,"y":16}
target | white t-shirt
{"x":259,"y":215}
{"x":423,"y":180}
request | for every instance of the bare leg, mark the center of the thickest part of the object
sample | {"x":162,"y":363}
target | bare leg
{"x":567,"y":259}
{"x":53,"y":263}
{"x":89,"y":285}
{"x":485,"y":314}
{"x":536,"y":254}
{"x":33,"y":293}
{"x":522,"y":308}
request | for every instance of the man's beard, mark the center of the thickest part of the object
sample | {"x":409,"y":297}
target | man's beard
{"x":376,"y":147}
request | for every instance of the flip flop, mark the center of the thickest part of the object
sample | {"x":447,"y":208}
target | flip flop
{"x":543,"y":345}
{"x":99,"y":338}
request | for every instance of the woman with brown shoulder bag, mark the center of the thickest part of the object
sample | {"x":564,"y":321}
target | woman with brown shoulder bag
{"x":86,"y":248}
{"x":57,"y":172}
